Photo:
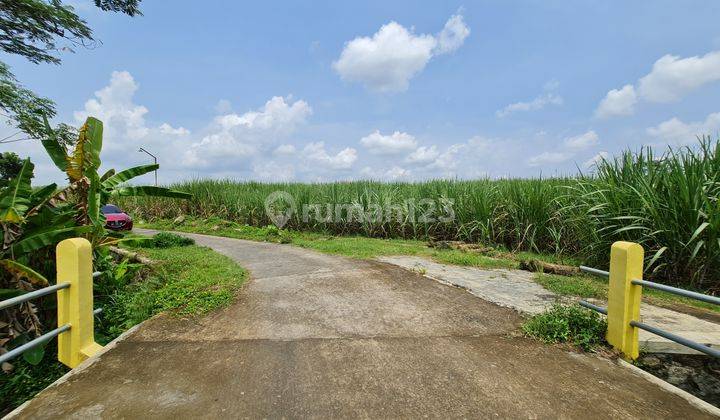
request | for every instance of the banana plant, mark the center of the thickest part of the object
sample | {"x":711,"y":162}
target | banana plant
{"x":31,"y":222}
{"x":92,"y":190}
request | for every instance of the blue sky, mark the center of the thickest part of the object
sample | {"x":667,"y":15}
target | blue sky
{"x":387,"y":90}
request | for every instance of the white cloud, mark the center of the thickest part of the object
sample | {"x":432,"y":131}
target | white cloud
{"x":166,"y":128}
{"x":447,"y":159}
{"x":673,"y":77}
{"x":670,"y":79}
{"x":549,"y":158}
{"x":285,"y":149}
{"x":234,"y":138}
{"x":392,"y":144}
{"x":452,"y":35}
{"x":388,"y":60}
{"x":571,"y":146}
{"x":114,"y":105}
{"x":397,"y":172}
{"x":316,"y":154}
{"x":582,"y":141}
{"x":674,"y":131}
{"x":273,"y":171}
{"x":617,"y":102}
{"x":540,"y":102}
{"x":423,"y":155}
{"x":590,"y":163}
{"x":276,"y":115}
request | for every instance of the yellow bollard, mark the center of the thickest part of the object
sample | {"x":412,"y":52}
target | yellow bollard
{"x":75,"y":303}
{"x":626,"y":264}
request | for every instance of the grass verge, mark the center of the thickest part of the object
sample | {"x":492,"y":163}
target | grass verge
{"x":186,"y":281}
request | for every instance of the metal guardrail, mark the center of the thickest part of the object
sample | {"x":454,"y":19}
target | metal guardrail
{"x":654,"y":330}
{"x":593,"y":307}
{"x":17,"y":300}
{"x":680,"y":292}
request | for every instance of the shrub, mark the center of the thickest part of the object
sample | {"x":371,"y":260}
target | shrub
{"x":170,"y":240}
{"x":568,"y":324}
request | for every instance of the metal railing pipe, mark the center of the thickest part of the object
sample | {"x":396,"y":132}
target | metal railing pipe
{"x":593,"y":307}
{"x":676,"y":291}
{"x":32,"y":295}
{"x":676,"y":338}
{"x":17,"y":351}
{"x":595,"y":271}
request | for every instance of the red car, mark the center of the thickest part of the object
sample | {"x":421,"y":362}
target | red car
{"x":116,"y":219}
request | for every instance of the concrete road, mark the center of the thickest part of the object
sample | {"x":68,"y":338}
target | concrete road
{"x":313,"y":335}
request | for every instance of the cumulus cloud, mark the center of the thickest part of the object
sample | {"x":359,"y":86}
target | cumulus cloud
{"x":392,"y":144}
{"x":166,"y":128}
{"x":582,"y":141}
{"x":114,"y":105}
{"x":285,"y":149}
{"x":452,"y":35}
{"x":617,"y":102}
{"x":673,"y":77}
{"x":571,"y":147}
{"x":316,"y":154}
{"x":423,"y":155}
{"x":675,"y":131}
{"x":397,"y":172}
{"x":447,"y":159}
{"x":234,"y":138}
{"x":388,"y":60}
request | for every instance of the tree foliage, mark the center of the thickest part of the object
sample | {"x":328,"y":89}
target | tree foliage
{"x":39,"y":30}
{"x":10,"y":166}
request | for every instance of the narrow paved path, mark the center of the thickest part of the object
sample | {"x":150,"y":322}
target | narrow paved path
{"x":314,"y":335}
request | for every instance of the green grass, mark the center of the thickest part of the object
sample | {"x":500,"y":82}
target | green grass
{"x":568,"y":324}
{"x":667,"y":203}
{"x":580,"y":286}
{"x":584,"y":286}
{"x":186,"y":281}
{"x":349,"y":246}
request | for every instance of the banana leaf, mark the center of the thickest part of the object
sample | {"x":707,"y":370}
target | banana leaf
{"x":127,"y":175}
{"x":42,"y":194}
{"x":151,"y":191}
{"x":107,"y":174}
{"x":57,"y":152}
{"x":93,"y":209}
{"x":41,"y":239}
{"x":33,"y":276}
{"x":15,"y":198}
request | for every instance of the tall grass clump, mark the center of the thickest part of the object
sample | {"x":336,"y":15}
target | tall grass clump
{"x":666,"y":202}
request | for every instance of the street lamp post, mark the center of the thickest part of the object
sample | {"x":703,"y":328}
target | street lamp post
{"x":154,"y":158}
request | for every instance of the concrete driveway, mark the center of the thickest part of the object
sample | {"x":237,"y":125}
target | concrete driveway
{"x":313,"y":335}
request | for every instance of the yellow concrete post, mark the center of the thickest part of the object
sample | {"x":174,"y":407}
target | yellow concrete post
{"x":626,"y":264}
{"x":75,"y":303}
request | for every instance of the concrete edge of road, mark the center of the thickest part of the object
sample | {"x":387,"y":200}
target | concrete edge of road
{"x":693,"y":400}
{"x":84,"y":365}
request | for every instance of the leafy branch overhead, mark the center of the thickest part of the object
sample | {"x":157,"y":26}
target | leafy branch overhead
{"x":39,"y":30}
